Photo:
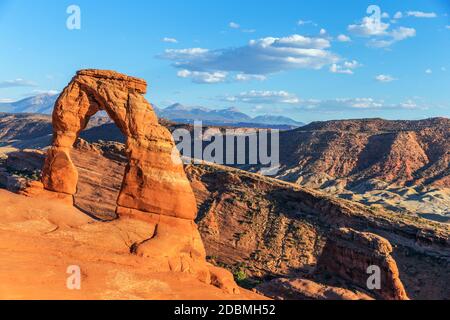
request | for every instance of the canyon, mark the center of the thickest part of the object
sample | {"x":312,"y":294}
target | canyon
{"x":311,"y":232}
{"x":274,"y":235}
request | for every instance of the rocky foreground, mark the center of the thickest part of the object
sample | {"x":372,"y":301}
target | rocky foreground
{"x":283,"y":240}
{"x":42,"y":235}
{"x":156,"y":205}
{"x":127,"y":214}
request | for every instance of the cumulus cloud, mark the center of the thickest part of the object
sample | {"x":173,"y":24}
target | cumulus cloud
{"x":395,"y":35}
{"x":203,"y":77}
{"x":234,"y":25}
{"x":264,"y":97}
{"x":385,"y":78}
{"x":421,"y":14}
{"x":369,"y":27}
{"x":346,"y":68}
{"x":170,"y":40}
{"x":343,"y":38}
{"x":380,"y":32}
{"x":323,"y":32}
{"x":259,"y":57}
{"x":16,"y":83}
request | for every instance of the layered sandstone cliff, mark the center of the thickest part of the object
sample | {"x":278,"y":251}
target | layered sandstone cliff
{"x":354,"y":255}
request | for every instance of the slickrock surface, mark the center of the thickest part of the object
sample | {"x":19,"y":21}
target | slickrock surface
{"x":43,"y":234}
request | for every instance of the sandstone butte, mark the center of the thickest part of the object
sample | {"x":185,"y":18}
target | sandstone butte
{"x":155,"y":190}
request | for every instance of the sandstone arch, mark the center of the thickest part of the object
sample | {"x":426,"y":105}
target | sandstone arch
{"x":155,"y":188}
{"x":153,"y":182}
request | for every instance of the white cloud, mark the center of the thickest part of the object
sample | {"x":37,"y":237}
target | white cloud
{"x":343,"y":38}
{"x":346,"y":68}
{"x":185,"y":53}
{"x":234,"y":25}
{"x":305,"y":22}
{"x":398,"y":15}
{"x":335,"y":68}
{"x":420,"y":14}
{"x":409,"y":104}
{"x":249,"y":77}
{"x":396,"y":35}
{"x":368,"y":27}
{"x":403,"y":33}
{"x":385,"y":15}
{"x":45,"y":92}
{"x":6,"y":100}
{"x":203,"y":77}
{"x":380,"y":33}
{"x":322,"y":32}
{"x":384,"y":78}
{"x":170,"y":40}
{"x":264,"y":97}
{"x":428,"y":71}
{"x":16,"y":83}
{"x":259,"y":57}
{"x":352,"y":64}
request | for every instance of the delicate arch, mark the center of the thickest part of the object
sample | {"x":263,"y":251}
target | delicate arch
{"x":153,"y":182}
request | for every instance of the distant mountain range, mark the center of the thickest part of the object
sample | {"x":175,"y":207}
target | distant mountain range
{"x":43,"y":104}
{"x":224,"y":117}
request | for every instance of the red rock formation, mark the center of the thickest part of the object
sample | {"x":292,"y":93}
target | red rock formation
{"x":348,"y":254}
{"x":271,"y":228}
{"x":153,"y":182}
{"x":155,"y":188}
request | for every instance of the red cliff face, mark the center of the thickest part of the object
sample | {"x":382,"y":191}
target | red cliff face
{"x":349,"y":254}
{"x":399,"y":152}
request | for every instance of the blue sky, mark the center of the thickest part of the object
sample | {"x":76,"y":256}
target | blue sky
{"x":309,"y":60}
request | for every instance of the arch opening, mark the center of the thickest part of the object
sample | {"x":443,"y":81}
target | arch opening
{"x":153,"y":183}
